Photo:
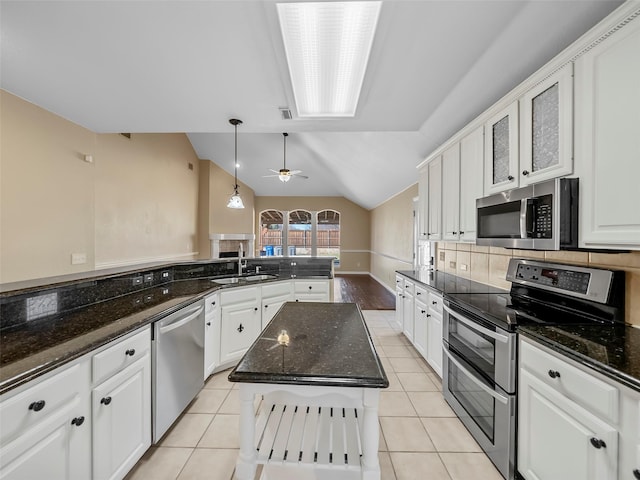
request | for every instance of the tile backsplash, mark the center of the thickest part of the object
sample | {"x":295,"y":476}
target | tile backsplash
{"x":489,"y":265}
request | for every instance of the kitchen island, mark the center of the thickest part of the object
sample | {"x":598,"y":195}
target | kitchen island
{"x":318,"y":370}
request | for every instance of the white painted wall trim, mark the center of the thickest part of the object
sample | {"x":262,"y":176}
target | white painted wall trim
{"x":139,"y":261}
{"x":391,"y":257}
{"x":383,"y":284}
{"x":354,"y":251}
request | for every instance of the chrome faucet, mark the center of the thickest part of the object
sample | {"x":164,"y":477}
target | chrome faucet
{"x":241,"y":266}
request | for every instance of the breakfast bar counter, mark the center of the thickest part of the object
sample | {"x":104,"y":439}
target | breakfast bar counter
{"x":319,"y":374}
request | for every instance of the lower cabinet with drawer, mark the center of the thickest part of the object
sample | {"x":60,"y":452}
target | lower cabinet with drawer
{"x":240,"y":322}
{"x":311,"y":290}
{"x":121,"y":406}
{"x":568,"y":420}
{"x":211,"y":334}
{"x":274,"y":295}
{"x":46,"y":427}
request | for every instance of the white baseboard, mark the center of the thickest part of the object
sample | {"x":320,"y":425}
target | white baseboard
{"x":383,"y":284}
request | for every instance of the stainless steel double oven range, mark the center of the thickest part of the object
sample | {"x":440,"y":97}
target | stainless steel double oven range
{"x":480,"y":342}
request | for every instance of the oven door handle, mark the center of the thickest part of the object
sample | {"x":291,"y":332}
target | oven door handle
{"x":471,"y":324}
{"x":502,"y":399}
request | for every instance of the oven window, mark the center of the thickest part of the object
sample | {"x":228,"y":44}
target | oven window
{"x":476,"y":348}
{"x":478,"y":404}
{"x":499,"y":221}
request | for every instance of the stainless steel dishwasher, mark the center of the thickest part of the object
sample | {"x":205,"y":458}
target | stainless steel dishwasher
{"x":177,"y":364}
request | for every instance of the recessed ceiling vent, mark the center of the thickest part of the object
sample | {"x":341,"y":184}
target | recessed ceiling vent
{"x":286,"y":113}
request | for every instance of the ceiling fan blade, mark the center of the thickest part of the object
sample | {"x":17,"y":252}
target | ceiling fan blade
{"x":272,"y":170}
{"x":300,"y":176}
{"x":295,"y":172}
{"x":265,"y":176}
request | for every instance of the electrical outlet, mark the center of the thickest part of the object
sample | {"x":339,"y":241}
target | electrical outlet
{"x":78,"y":258}
{"x":137,"y":281}
{"x":442,"y":256}
{"x":148,"y":277}
{"x":452,"y":265}
{"x":164,"y":275}
{"x":464,"y":267}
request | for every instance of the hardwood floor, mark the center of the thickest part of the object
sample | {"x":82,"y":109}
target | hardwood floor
{"x":363,"y":290}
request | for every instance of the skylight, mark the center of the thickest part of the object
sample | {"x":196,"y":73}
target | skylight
{"x":327,"y":46}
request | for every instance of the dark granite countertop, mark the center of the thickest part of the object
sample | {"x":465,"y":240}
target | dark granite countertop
{"x":447,"y":283}
{"x":329,"y":345}
{"x":30,"y":349}
{"x":613,"y":350}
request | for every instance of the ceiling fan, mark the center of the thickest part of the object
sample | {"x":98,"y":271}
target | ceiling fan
{"x":284,"y":174}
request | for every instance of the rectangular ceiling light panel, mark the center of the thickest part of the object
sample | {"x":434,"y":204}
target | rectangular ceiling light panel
{"x":327,"y":46}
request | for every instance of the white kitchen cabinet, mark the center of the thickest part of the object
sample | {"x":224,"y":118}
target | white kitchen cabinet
{"x":546,"y":129}
{"x":607,"y":140}
{"x":122,"y":420}
{"x":560,"y":435}
{"x":46,"y":427}
{"x":311,"y":290}
{"x":434,"y":198}
{"x":121,"y":405}
{"x":423,"y":204}
{"x":471,"y":182}
{"x":407,"y":309}
{"x":420,"y":322}
{"x":501,"y":150}
{"x":399,"y":300}
{"x":274,"y":295}
{"x":240,"y":322}
{"x":434,"y":332}
{"x":451,"y":193}
{"x":211,"y":334}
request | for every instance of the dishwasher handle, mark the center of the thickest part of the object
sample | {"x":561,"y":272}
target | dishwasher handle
{"x":180,"y":319}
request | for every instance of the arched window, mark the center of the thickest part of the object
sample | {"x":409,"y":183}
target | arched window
{"x":271,"y":229}
{"x":300,"y":233}
{"x":329,"y":234}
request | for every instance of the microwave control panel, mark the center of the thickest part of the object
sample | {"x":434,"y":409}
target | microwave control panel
{"x":543,"y":217}
{"x":568,"y":280}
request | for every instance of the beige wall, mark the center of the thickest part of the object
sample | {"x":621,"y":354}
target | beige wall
{"x":137,"y":201}
{"x":489,"y":265}
{"x":216,"y":186}
{"x":392,"y":241}
{"x":355,"y":225}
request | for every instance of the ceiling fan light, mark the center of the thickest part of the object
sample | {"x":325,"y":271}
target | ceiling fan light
{"x":284,"y":178}
{"x":327,"y":45}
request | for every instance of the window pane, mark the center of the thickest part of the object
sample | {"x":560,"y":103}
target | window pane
{"x":271,"y":226}
{"x":329,"y":234}
{"x":299,"y":233}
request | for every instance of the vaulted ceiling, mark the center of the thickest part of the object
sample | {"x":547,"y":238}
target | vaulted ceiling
{"x":190,"y":66}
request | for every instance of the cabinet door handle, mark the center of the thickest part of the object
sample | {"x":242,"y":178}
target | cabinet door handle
{"x":208,"y":324}
{"x":255,"y":309}
{"x":598,"y":443}
{"x":131,"y":352}
{"x":240,"y":328}
{"x":525,"y":172}
{"x":455,"y":233}
{"x":309,"y":287}
{"x":423,"y":311}
{"x":510,"y":177}
{"x":418,"y":293}
{"x":428,"y":315}
{"x":37,"y":406}
{"x":77,"y":421}
{"x":461,"y":233}
{"x":213,"y":304}
{"x":266,"y":306}
{"x":554,"y":374}
{"x":434,"y":302}
{"x":636,"y":474}
{"x":106,"y":401}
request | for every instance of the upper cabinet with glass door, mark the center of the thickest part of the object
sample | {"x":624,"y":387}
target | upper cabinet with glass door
{"x":536,"y":143}
{"x":501,"y":155}
{"x":546,"y":128}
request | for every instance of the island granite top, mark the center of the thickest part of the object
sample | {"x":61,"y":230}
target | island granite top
{"x":328,"y":345}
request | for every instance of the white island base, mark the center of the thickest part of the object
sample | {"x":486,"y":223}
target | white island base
{"x":308,"y":432}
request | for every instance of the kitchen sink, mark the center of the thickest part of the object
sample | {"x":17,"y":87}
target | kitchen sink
{"x":225,"y":281}
{"x":256,"y":278}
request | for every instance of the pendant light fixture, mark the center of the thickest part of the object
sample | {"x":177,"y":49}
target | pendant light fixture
{"x":235,"y":201}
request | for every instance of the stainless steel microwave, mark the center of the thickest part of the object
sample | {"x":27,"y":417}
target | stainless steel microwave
{"x":542,"y":216}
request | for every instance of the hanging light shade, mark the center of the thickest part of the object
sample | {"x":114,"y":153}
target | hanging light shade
{"x":235,"y":201}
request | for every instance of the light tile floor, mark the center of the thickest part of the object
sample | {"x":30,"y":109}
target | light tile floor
{"x":420,"y":436}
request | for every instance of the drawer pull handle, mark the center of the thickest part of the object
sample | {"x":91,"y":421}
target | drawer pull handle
{"x":240,"y":328}
{"x":554,"y":374}
{"x":208,"y":324}
{"x":77,"y":421}
{"x":266,"y":306}
{"x":636,"y":474}
{"x":310,"y":287}
{"x":596,"y":442}
{"x":428,"y":315}
{"x":434,"y":302}
{"x":213,"y":304}
{"x":423,"y":311}
{"x":106,"y":401}
{"x":255,"y":308}
{"x":131,"y":352}
{"x":418,"y":293}
{"x":37,"y":406}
